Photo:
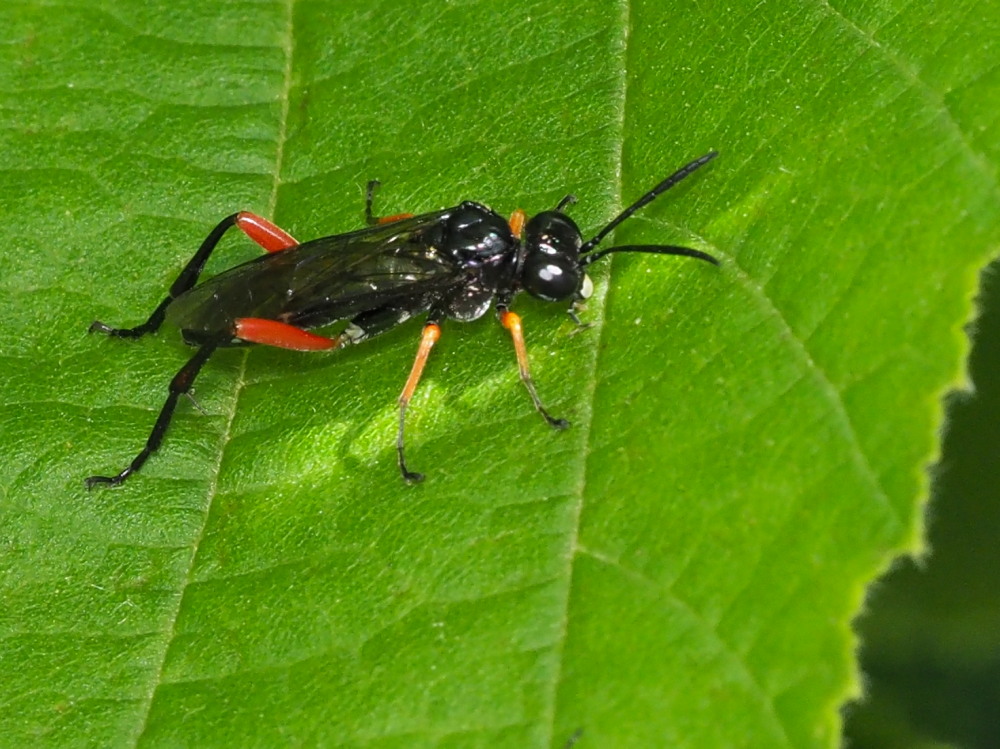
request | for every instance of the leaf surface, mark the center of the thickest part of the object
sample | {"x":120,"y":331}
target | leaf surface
{"x":749,"y":442}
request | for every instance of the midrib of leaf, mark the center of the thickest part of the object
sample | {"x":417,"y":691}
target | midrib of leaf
{"x":272,"y":201}
{"x":590,"y":387}
{"x":827,"y":389}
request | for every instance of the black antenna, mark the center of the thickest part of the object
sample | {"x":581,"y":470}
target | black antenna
{"x":654,"y":249}
{"x":649,"y":197}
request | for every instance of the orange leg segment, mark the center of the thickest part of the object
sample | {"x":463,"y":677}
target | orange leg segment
{"x":396,"y":217}
{"x":430,"y":336}
{"x":282,"y":335}
{"x":269,"y":236}
{"x":512,"y":322}
{"x":516,"y":221}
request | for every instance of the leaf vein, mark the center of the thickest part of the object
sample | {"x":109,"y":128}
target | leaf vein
{"x":171,"y":629}
{"x":706,"y":626}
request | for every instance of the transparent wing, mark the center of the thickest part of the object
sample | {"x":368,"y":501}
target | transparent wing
{"x":333,"y":278}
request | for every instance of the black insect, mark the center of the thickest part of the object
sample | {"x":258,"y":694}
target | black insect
{"x":454,"y":263}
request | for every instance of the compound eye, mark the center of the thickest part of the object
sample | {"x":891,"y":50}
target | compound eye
{"x":553,"y":233}
{"x":551,"y":268}
{"x":550,"y":277}
{"x":475,"y":229}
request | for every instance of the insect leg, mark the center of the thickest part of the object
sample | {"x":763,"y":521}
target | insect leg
{"x":260,"y":230}
{"x":180,"y":385}
{"x":268,"y":235}
{"x":580,"y":324}
{"x":372,"y":219}
{"x":512,"y":322}
{"x":282,"y":335}
{"x":566,"y":202}
{"x":430,"y":335}
{"x":187,"y":278}
{"x":516,"y":222}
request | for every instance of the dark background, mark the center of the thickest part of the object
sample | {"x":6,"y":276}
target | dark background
{"x":931,"y":632}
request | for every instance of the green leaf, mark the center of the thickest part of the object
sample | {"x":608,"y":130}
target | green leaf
{"x":749,"y":443}
{"x":929,"y":629}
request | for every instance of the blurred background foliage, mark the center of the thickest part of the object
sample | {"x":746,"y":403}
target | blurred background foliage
{"x":931,"y":631}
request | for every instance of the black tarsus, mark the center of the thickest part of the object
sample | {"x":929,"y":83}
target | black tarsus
{"x":373,"y":185}
{"x":580,"y":324}
{"x":184,"y":281}
{"x":179,"y":385}
{"x":648,"y":198}
{"x":566,"y":202}
{"x":410,"y":477}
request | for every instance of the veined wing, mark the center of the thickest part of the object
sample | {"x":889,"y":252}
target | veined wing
{"x":328,"y":279}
